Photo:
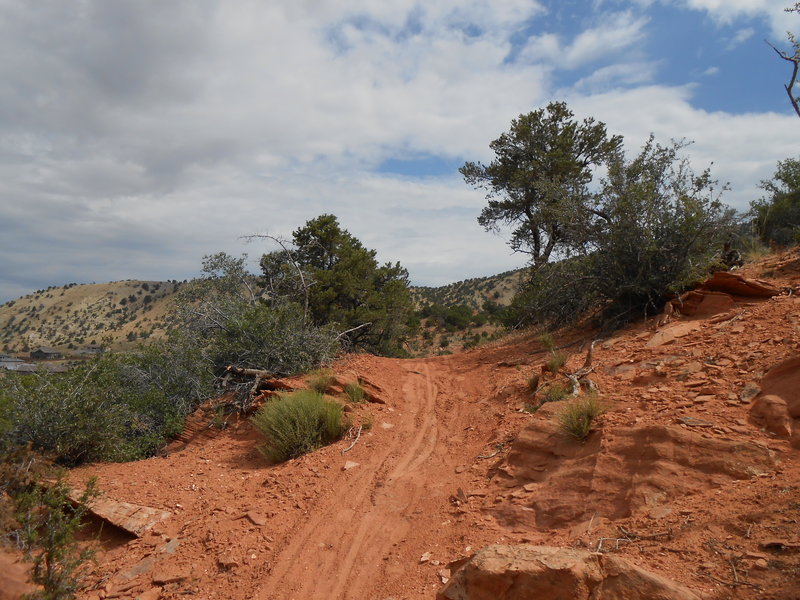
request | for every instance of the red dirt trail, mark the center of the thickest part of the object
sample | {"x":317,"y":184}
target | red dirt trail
{"x":453,"y":462}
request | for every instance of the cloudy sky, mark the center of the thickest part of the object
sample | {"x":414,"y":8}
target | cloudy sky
{"x":136,"y":136}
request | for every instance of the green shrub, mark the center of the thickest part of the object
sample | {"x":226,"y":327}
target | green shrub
{"x":555,"y":392}
{"x":577,"y":417}
{"x":355,"y":392}
{"x":298,"y":423}
{"x":320,"y":380}
{"x":48,"y":522}
{"x":114,"y":407}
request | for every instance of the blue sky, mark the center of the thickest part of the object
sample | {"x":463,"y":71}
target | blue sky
{"x":137,"y":137}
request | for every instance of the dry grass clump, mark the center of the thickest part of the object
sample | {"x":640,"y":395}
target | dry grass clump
{"x":320,"y":380}
{"x":577,"y":417}
{"x":556,"y":361}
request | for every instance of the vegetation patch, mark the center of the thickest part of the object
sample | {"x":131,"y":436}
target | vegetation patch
{"x":555,"y":392}
{"x":320,"y":380}
{"x":576,"y":418}
{"x":298,"y":423}
{"x":355,"y":392}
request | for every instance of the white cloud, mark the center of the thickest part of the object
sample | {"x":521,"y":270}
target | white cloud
{"x":616,"y":33}
{"x":135,"y":139}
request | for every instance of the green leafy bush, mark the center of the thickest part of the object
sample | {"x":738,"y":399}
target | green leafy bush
{"x":576,"y":419}
{"x":298,"y":423}
{"x":777,"y":215}
{"x":48,"y":522}
{"x":114,"y":407}
{"x":656,"y":228}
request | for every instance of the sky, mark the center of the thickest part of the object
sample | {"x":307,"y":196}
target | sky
{"x":137,"y":136}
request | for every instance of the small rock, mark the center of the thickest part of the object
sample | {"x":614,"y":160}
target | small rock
{"x":350,"y":464}
{"x":387,"y":425}
{"x":760,"y":564}
{"x":694,"y":422}
{"x":425,"y":558}
{"x":461,"y":468}
{"x":256,"y":518}
{"x":750,"y":391}
{"x":226,"y":561}
{"x":169,"y":576}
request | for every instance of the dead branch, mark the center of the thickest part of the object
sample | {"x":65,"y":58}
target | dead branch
{"x":358,"y":435}
{"x":493,"y":454}
{"x":652,"y":536}
{"x":344,"y":333}
{"x":795,"y":60}
{"x":617,"y":542}
{"x":305,"y":285}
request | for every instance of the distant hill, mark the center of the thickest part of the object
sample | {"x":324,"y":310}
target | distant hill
{"x":472,"y":292}
{"x":71,"y":317}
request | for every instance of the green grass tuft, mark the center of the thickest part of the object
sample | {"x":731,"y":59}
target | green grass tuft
{"x":355,"y":392}
{"x":298,"y":423}
{"x":577,"y":417}
{"x":555,"y":392}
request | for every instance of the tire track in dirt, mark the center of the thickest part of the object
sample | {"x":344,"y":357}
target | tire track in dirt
{"x":337,"y":552}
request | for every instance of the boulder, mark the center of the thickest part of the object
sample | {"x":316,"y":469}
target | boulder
{"x":703,"y":303}
{"x":551,"y":482}
{"x":526,"y":571}
{"x":735,"y":284}
{"x":777,"y":407}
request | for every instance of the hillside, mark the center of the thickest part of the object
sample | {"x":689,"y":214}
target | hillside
{"x":123,"y":313}
{"x":692,"y":473}
{"x":75,"y":315}
{"x":473,"y":292}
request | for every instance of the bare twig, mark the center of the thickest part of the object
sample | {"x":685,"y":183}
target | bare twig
{"x":358,"y":435}
{"x":344,"y":333}
{"x":493,"y":454}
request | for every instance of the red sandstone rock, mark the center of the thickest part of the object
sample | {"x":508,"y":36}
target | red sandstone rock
{"x":525,"y":571}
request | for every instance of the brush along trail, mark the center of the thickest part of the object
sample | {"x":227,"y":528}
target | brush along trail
{"x":677,"y":476}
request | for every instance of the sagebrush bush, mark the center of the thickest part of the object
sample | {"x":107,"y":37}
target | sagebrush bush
{"x":576,"y":418}
{"x":355,"y":392}
{"x":298,"y":423}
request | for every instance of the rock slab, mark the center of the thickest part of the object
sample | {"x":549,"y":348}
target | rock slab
{"x":524,"y":572}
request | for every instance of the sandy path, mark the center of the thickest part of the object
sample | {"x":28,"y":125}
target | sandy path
{"x":338,"y":552}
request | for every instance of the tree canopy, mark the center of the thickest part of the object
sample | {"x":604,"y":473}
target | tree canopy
{"x":343,"y":284}
{"x":538,"y":180}
{"x":777,"y":215}
{"x":656,"y":228}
